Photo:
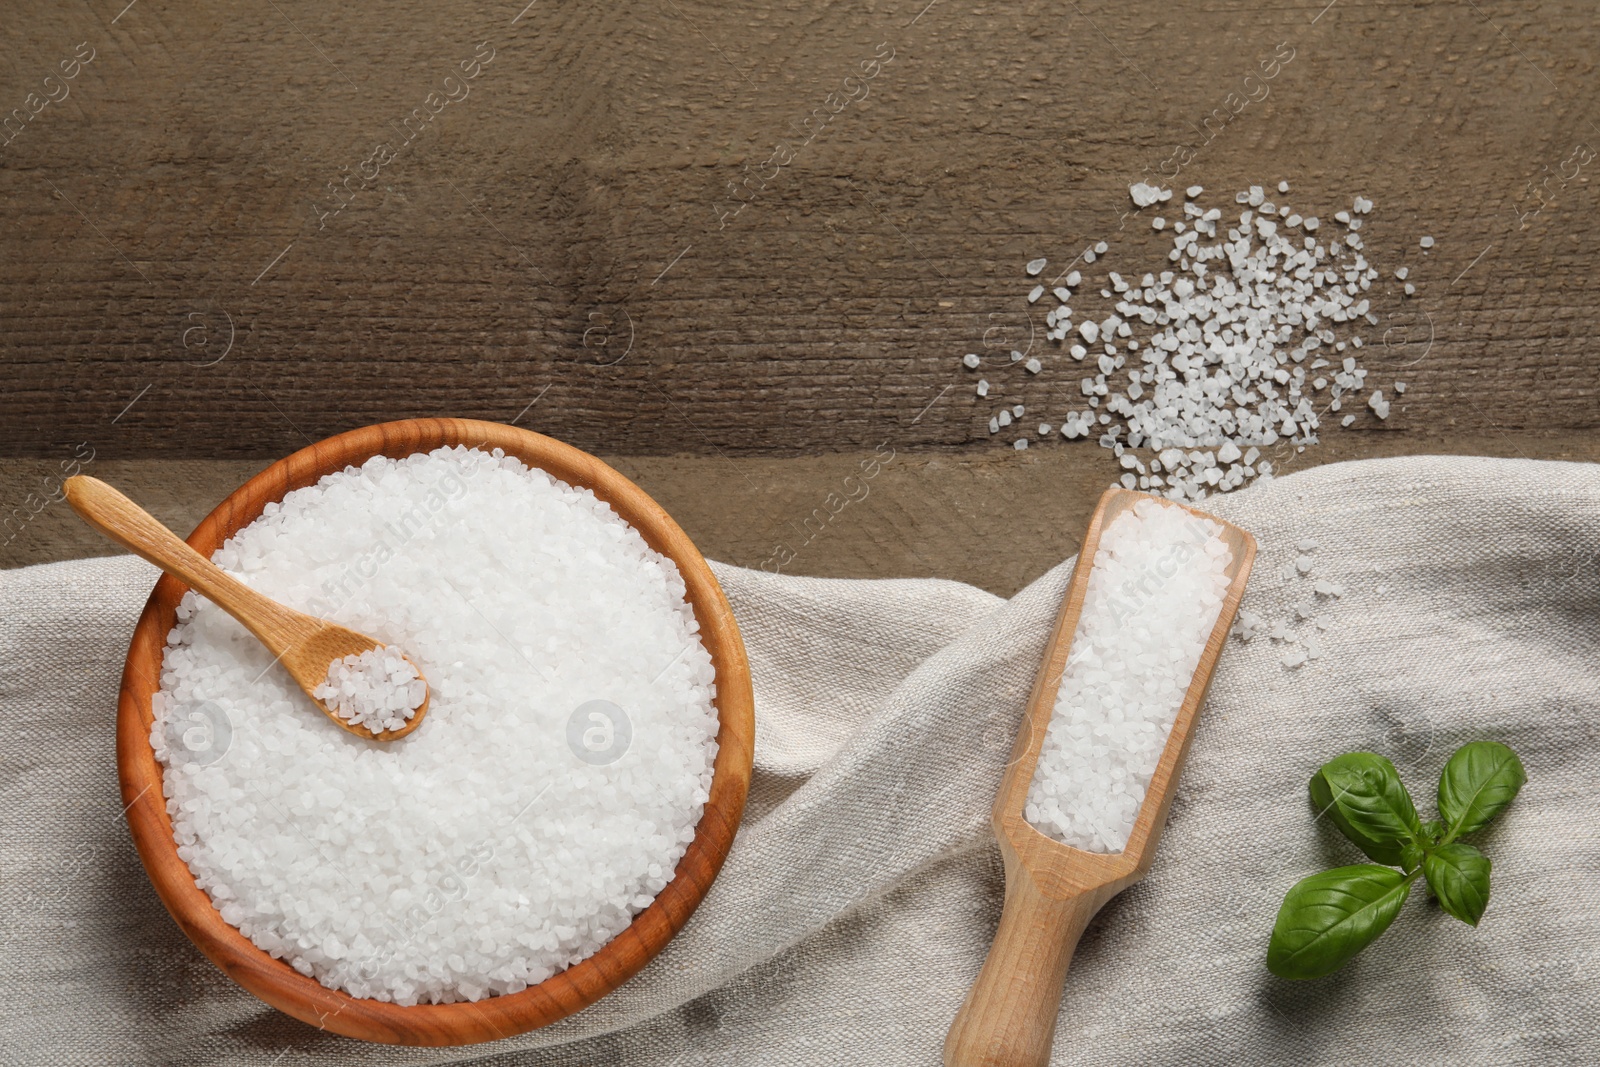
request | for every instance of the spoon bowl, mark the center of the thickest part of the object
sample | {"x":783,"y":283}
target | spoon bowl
{"x":1052,"y":890}
{"x":304,"y":644}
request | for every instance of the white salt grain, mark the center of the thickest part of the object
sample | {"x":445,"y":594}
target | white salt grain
{"x":1154,"y":595}
{"x":514,"y":832}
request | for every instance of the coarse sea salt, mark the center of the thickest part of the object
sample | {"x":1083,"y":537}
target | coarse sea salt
{"x":1154,"y":594}
{"x":1231,"y":337}
{"x":557,"y":781}
{"x":378,"y":690}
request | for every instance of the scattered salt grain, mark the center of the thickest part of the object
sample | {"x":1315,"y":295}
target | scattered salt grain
{"x":1035,"y":266}
{"x":970,"y":361}
{"x":1144,"y":195}
{"x":1427,"y":242}
{"x":1142,"y":630}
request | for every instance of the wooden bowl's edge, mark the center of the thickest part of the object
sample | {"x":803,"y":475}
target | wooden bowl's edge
{"x":1061,"y":869}
{"x":571,"y":990}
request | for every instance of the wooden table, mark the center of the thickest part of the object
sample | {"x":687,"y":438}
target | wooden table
{"x":231,"y":228}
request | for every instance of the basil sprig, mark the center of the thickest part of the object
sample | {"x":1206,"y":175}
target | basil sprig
{"x":1329,"y":917}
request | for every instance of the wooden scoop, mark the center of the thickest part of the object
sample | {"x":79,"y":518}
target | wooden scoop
{"x":1053,"y":890}
{"x":304,"y":644}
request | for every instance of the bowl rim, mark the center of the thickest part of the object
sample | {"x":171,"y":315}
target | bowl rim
{"x":578,"y":986}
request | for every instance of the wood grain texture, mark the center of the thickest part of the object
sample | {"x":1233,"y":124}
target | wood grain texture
{"x":304,"y":645}
{"x":173,"y":284}
{"x":994,"y":518}
{"x":450,"y":1024}
{"x":1053,"y":890}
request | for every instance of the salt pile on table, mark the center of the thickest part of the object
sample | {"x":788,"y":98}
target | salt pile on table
{"x":379,"y":689}
{"x":1244,"y":338}
{"x":495,"y":845}
{"x":1159,"y":578}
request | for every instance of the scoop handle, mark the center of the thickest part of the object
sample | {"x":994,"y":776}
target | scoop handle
{"x":1009,"y":1016}
{"x":135,"y":529}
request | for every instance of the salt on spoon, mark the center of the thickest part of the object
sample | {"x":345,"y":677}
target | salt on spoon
{"x":358,"y":682}
{"x":1053,"y":889}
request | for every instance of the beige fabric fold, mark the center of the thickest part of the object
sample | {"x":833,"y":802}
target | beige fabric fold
{"x":858,"y":901}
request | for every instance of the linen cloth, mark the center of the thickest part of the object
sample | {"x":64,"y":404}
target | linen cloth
{"x":865,"y":885}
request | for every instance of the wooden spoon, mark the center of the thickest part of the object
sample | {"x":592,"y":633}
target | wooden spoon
{"x":1053,"y":890}
{"x":304,"y":644}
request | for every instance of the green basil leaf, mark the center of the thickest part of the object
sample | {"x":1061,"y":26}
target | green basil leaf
{"x":1458,"y":874}
{"x":1433,"y":831}
{"x":1363,"y":795}
{"x":1480,"y":779}
{"x":1328,"y":918}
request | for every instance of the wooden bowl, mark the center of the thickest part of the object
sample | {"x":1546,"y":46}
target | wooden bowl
{"x":580,"y":985}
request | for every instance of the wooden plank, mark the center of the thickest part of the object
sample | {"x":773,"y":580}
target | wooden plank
{"x":996,"y":518}
{"x":558,"y":232}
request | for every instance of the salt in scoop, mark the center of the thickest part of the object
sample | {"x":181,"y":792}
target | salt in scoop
{"x":1052,"y":890}
{"x":306,"y":646}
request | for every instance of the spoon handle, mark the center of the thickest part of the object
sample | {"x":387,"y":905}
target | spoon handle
{"x":137,"y":530}
{"x":1009,"y":1016}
